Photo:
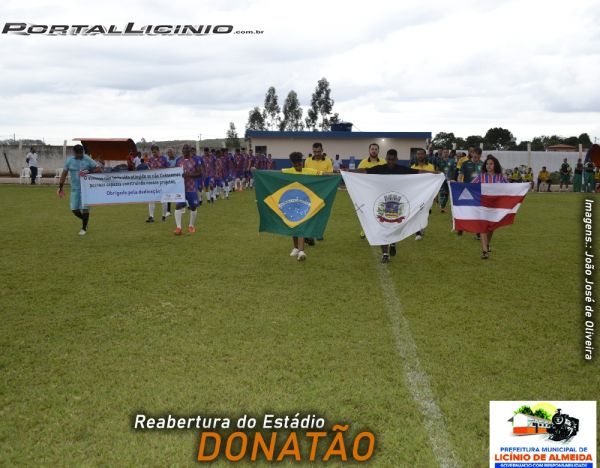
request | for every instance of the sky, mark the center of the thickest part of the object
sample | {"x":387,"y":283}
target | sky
{"x":425,"y":66}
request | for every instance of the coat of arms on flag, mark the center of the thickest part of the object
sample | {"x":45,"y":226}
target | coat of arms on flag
{"x":392,"y":207}
{"x":482,"y":208}
{"x":294,"y":204}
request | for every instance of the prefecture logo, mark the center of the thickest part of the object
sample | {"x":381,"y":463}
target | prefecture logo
{"x":295,"y":204}
{"x":543,"y":434}
{"x":391,"y":208}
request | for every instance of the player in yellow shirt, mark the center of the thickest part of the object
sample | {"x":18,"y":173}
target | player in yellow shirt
{"x":543,"y":176}
{"x":318,"y":160}
{"x":296,"y":159}
{"x":422,"y":165}
{"x":528,"y":177}
{"x":367,"y":163}
{"x":373,"y":159}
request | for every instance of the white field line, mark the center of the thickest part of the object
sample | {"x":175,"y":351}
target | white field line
{"x":416,"y":379}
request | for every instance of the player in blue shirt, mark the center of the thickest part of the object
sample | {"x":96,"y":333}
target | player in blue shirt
{"x":76,"y":166}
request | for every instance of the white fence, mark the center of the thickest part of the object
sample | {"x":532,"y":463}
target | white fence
{"x":551,"y":159}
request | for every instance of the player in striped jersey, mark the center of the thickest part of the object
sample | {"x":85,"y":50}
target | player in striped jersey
{"x":192,"y":169}
{"x":157,"y":161}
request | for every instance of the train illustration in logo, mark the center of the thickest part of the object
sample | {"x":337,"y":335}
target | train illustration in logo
{"x":561,"y":427}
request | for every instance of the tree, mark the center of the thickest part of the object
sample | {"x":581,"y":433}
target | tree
{"x":321,"y":105}
{"x":272,"y":109}
{"x":585,"y":140}
{"x":473,"y":140}
{"x":522,"y":146}
{"x":537,"y":144}
{"x":551,"y":140}
{"x":292,"y":114}
{"x":542,"y":413}
{"x":499,"y":138}
{"x":573,"y":141}
{"x":460,"y":143}
{"x":525,"y":409}
{"x":232,"y":137}
{"x":311,"y":119}
{"x":443,"y":140}
{"x":256,"y":120}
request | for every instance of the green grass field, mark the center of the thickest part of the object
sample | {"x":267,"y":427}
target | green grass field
{"x":130,"y":318}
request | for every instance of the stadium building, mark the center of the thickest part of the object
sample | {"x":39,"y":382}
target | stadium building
{"x":341,"y":140}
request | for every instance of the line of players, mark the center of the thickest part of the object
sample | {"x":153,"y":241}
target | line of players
{"x":215,"y":173}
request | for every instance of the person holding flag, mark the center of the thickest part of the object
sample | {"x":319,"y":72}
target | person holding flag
{"x":372,"y":161}
{"x":491,"y":173}
{"x":296,"y":159}
{"x":292,"y":202}
{"x":322,"y":163}
{"x":391,"y":166}
{"x":487,"y":203}
{"x":78,"y":166}
{"x":422,"y":165}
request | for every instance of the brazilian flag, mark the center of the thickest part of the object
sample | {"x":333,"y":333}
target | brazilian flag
{"x":294,"y":204}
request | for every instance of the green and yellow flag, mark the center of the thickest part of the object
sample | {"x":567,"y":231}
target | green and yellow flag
{"x":294,"y":204}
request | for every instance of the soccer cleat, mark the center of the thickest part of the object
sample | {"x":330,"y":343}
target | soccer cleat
{"x":393,"y":250}
{"x":83,"y":232}
{"x":178,"y":232}
{"x":477,"y":237}
{"x":362,"y":235}
{"x":385,"y":258}
{"x":191,"y":229}
{"x":485,"y":255}
{"x":418,"y":237}
{"x":309,"y":241}
{"x":294,"y":252}
{"x":459,"y":233}
{"x":443,"y":210}
{"x":301,"y":256}
{"x":150,"y":220}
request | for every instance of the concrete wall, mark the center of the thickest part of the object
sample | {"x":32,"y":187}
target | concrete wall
{"x":551,"y":159}
{"x":50,"y":158}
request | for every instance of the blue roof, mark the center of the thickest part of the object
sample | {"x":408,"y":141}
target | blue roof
{"x":345,"y":135}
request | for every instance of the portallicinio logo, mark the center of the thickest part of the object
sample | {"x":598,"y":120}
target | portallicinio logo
{"x":130,"y":29}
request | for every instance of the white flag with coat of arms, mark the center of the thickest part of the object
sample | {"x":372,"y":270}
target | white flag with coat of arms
{"x":392,"y":207}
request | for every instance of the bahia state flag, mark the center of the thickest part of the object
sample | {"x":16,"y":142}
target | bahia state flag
{"x":484,"y":207}
{"x":294,"y":204}
{"x":392,"y":207}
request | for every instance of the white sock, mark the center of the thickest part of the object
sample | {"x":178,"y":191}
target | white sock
{"x":165,"y":208}
{"x":178,"y":216}
{"x":151,"y":209}
{"x":193,"y":215}
{"x":214,"y":194}
{"x":251,"y":182}
{"x":207,"y":193}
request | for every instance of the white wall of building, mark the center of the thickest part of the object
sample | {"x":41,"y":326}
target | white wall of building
{"x":280,"y":148}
